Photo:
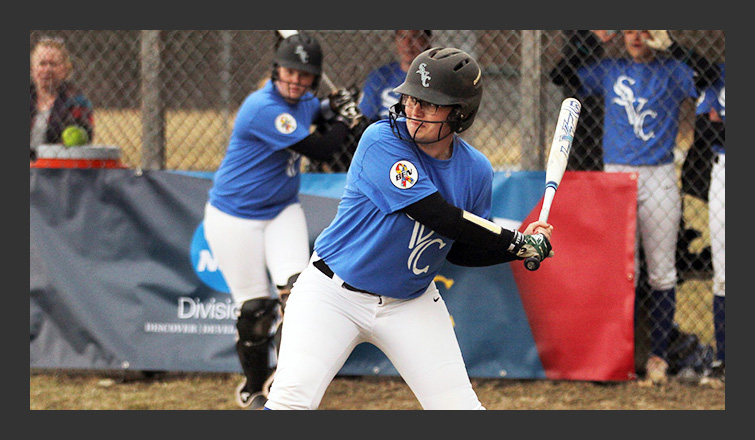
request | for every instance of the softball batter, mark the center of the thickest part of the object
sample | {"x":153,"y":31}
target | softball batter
{"x":253,"y":220}
{"x":643,"y":96}
{"x":416,"y":195}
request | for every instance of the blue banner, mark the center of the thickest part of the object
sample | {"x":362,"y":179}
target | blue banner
{"x":122,"y":278}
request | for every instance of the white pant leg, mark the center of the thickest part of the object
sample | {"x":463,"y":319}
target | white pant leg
{"x":717,"y":219}
{"x":238,"y":246}
{"x":322,"y":326}
{"x":658,"y":215}
{"x":287,"y":244}
{"x":417,"y":335}
{"x":659,"y":210}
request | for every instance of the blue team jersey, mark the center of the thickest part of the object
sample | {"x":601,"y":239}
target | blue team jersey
{"x":714,"y":98}
{"x":378,"y":95}
{"x":258,"y":176}
{"x":642,"y":103}
{"x":374,"y":246}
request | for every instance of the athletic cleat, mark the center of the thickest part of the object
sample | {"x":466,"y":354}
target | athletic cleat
{"x":257,"y":401}
{"x":718,"y":370}
{"x":249,"y":400}
{"x":655,"y":370}
{"x":243,"y":397}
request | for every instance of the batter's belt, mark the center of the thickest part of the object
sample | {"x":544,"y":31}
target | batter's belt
{"x":322,"y":267}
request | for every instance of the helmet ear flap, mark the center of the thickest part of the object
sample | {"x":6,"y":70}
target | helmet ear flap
{"x":455,"y":118}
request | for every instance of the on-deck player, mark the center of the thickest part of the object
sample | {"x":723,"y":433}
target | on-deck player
{"x":253,"y":220}
{"x":643,"y":96}
{"x":416,"y":195}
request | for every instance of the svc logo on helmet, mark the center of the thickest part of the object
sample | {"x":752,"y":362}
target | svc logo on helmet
{"x":424,"y":75}
{"x":303,"y":56}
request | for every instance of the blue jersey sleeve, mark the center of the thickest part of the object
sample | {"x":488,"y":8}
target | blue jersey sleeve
{"x":274,"y":125}
{"x":389,"y":171}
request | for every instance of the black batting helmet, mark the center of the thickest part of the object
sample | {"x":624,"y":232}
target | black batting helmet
{"x":448,"y":77}
{"x":301,"y":52}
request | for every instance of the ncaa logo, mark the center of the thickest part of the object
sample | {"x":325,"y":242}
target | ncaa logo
{"x":404,"y":174}
{"x":204,"y":263}
{"x":285,"y":123}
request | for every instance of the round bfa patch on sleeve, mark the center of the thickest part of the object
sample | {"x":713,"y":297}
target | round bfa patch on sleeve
{"x":285,"y":123}
{"x":404,"y":174}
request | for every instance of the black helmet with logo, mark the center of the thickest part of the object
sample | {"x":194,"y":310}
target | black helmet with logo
{"x":447,"y":77}
{"x":301,"y":52}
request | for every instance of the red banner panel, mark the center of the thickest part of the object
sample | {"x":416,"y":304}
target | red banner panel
{"x":580,"y":303}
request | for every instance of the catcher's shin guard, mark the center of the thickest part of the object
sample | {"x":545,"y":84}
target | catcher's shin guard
{"x":257,"y":325}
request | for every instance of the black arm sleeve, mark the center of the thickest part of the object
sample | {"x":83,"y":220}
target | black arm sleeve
{"x":706,"y":73}
{"x":462,"y":254}
{"x":582,"y":47}
{"x":482,"y":246}
{"x":322,"y":146}
{"x":718,"y":133}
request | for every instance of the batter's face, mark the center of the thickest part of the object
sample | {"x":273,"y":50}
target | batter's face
{"x":635,"y":44}
{"x":426,"y":122}
{"x":292,"y":84}
{"x":49,"y":68}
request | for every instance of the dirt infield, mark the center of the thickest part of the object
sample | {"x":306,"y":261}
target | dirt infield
{"x":74,"y":390}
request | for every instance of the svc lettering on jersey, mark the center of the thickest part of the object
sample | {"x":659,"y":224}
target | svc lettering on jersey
{"x":403,"y":174}
{"x":418,"y":243}
{"x":634,"y":106}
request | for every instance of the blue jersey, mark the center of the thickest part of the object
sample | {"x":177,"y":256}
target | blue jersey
{"x":378,"y":94}
{"x":258,"y":176}
{"x":374,"y":246}
{"x":714,"y":98}
{"x":642,"y":103}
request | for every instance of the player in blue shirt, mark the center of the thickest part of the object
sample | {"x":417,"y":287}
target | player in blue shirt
{"x":377,"y":94}
{"x":713,"y":104}
{"x":254,"y":223}
{"x":643,"y":96}
{"x":416,"y":195}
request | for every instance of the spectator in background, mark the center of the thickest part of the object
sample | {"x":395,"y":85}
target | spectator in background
{"x":582,"y":47}
{"x":642,"y":96}
{"x":55,"y":102}
{"x":378,"y":95}
{"x":713,"y":104}
{"x":254,"y":223}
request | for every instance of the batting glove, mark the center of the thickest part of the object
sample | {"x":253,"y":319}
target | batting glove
{"x":659,"y":40}
{"x":536,"y":245}
{"x":343,"y":103}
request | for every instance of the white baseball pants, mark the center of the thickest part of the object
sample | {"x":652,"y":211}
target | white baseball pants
{"x":246,"y":250}
{"x":324,"y":322}
{"x":659,"y":210}
{"x":717,"y":219}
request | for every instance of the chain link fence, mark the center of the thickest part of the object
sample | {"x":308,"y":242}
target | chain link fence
{"x":168,"y":100}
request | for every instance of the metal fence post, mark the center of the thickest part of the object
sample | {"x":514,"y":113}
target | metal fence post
{"x":153,"y":107}
{"x":531,"y":92}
